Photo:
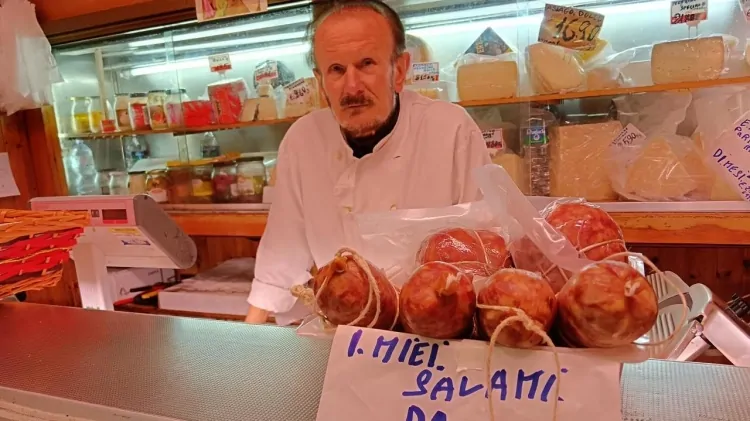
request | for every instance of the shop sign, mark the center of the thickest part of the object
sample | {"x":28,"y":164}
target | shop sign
{"x":219,"y":9}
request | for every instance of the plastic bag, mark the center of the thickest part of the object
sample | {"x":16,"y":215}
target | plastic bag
{"x":28,"y":68}
{"x":482,"y":77}
{"x":554,"y":69}
{"x":606,"y":70}
{"x":660,"y":165}
{"x":688,"y":60}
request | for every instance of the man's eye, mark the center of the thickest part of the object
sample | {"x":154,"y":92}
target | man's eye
{"x":337,"y":69}
{"x":368,"y":62}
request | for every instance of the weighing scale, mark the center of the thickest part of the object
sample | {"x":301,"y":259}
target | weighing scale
{"x":125,"y":232}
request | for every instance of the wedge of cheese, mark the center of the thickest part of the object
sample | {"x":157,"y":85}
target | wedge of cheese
{"x":488,"y":80}
{"x":687,"y":60}
{"x":515,"y":167}
{"x":553,"y":69}
{"x":603,"y":78}
{"x":580,"y":162}
{"x":659,"y":174}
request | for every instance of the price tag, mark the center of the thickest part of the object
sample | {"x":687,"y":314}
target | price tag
{"x":494,"y":140}
{"x":570,"y":27}
{"x":731,"y":156}
{"x":425,"y":72}
{"x":745,"y":7}
{"x":629,"y":136}
{"x":219,"y":62}
{"x":268,"y":72}
{"x":686,"y":11}
{"x":297,"y":92}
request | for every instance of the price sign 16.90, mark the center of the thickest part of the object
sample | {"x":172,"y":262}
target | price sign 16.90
{"x":570,"y":27}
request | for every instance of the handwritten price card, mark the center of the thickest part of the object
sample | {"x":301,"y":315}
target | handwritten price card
{"x":297,"y":92}
{"x":376,"y":375}
{"x":731,"y":156}
{"x":570,"y":27}
{"x":425,"y":72}
{"x":686,"y":11}
{"x":219,"y":62}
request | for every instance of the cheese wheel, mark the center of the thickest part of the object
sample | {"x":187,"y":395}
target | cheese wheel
{"x":487,"y":80}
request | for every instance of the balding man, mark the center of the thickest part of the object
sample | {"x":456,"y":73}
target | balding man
{"x":378,"y":147}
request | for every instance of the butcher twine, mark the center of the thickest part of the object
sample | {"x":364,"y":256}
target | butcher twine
{"x":582,"y":253}
{"x":531,"y":325}
{"x":310,"y":299}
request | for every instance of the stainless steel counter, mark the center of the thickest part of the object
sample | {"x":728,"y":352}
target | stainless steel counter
{"x":201,"y":370}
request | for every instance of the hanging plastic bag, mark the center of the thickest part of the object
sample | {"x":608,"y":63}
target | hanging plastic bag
{"x":27,"y":65}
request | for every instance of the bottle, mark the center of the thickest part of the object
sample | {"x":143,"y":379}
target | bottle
{"x":209,"y":146}
{"x":535,"y":150}
{"x":136,"y":148}
{"x":83,"y":174}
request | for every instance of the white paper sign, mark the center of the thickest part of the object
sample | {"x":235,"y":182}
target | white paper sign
{"x":376,"y":375}
{"x":8,"y":185}
{"x":686,"y":11}
{"x":297,"y":92}
{"x":731,"y":156}
{"x":426,"y":72}
{"x":493,"y":138}
{"x":219,"y":62}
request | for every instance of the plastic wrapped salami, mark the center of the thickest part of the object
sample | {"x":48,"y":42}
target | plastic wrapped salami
{"x":519,"y":289}
{"x":454,"y":245}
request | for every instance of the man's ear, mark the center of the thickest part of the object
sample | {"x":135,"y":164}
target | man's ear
{"x":401,"y":70}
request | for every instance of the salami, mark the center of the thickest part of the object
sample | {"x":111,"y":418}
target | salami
{"x":607,"y":304}
{"x":438,"y":301}
{"x":345,"y":295}
{"x":519,"y":289}
{"x":455,"y":245}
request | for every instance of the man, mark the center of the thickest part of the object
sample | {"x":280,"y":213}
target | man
{"x":378,"y":147}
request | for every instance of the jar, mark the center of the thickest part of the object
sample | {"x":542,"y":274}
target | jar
{"x":175,"y":115}
{"x":180,"y":175}
{"x":96,"y":113}
{"x":118,"y":183}
{"x":79,"y":115}
{"x":137,"y":182}
{"x":157,"y":185}
{"x":156,"y":111}
{"x":251,"y":178}
{"x":122,"y":112}
{"x":202,"y":181}
{"x":225,"y":182}
{"x":138,"y":109}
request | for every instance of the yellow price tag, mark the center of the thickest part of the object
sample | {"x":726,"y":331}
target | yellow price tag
{"x":570,"y":27}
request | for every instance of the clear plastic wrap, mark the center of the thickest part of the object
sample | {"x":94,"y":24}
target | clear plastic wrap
{"x":606,"y":70}
{"x":660,"y":165}
{"x":688,"y":60}
{"x":29,"y":69}
{"x":580,"y":161}
{"x":228,"y":98}
{"x":554,"y":69}
{"x":433,"y":90}
{"x":483,"y":77}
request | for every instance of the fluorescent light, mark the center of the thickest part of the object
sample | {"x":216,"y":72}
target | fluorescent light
{"x":261,"y":53}
{"x":228,"y":43}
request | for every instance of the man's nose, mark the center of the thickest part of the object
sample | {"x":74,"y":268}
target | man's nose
{"x":352,"y":79}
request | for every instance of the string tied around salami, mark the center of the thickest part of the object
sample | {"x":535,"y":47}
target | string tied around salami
{"x":337,"y":266}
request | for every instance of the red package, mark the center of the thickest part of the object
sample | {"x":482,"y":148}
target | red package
{"x":453,"y":245}
{"x":198,"y":113}
{"x":228,"y":98}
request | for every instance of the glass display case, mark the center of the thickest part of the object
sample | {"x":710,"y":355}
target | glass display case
{"x":637,"y":113}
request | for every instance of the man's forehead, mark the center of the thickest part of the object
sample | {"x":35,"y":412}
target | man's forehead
{"x":352,"y":26}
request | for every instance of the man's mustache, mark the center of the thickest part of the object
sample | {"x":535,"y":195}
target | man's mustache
{"x":355,"y":101}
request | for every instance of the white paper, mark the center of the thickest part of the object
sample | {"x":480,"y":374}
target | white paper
{"x":376,"y":375}
{"x":686,"y":11}
{"x":731,"y":156}
{"x":8,"y":185}
{"x":220,"y":62}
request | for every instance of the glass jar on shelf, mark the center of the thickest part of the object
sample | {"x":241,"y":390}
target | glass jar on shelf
{"x":203,"y":190}
{"x":138,"y":109}
{"x":96,"y":110}
{"x":79,"y":115}
{"x":157,"y":185}
{"x":122,"y":113}
{"x":137,"y":182}
{"x":225,"y":182}
{"x":175,"y":114}
{"x":156,"y":112}
{"x":118,"y":183}
{"x":251,"y":178}
{"x":180,"y":176}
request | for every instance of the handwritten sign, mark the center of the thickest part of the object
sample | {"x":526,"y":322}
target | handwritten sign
{"x":376,"y":375}
{"x":686,"y":11}
{"x":570,"y":27}
{"x":266,"y":72}
{"x":426,"y":72}
{"x":629,"y":136}
{"x":731,"y":156}
{"x":219,"y":63}
{"x":297,"y":92}
{"x":493,"y":138}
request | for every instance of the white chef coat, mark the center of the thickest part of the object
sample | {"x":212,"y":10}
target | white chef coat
{"x":425,"y":162}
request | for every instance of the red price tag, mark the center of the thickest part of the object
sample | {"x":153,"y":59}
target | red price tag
{"x":219,"y":62}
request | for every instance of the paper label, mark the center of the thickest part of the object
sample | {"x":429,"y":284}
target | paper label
{"x":375,"y":375}
{"x":570,"y":27}
{"x":220,"y":62}
{"x":494,"y":140}
{"x":489,"y":43}
{"x":426,"y":72}
{"x":629,"y":136}
{"x":298,"y":92}
{"x":731,"y":156}
{"x":267,"y":73}
{"x":685,"y":11}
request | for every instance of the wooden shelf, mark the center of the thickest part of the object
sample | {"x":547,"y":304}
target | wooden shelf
{"x":704,"y":228}
{"x":517,"y":100}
